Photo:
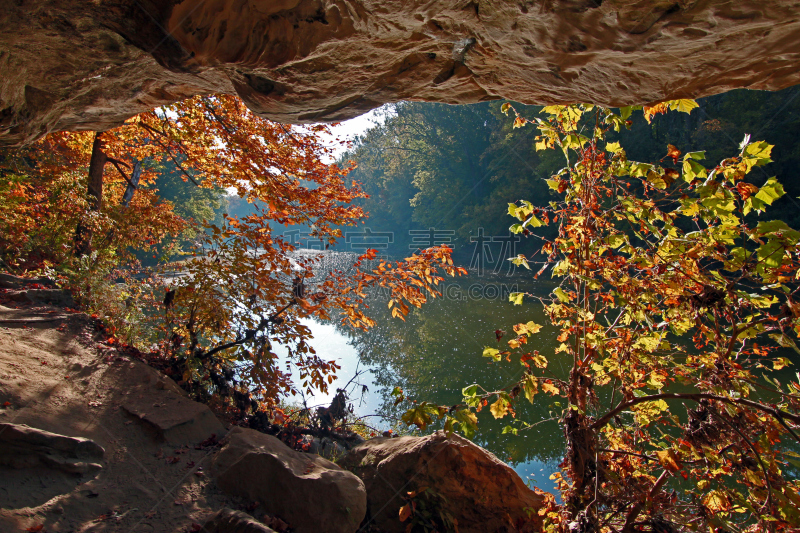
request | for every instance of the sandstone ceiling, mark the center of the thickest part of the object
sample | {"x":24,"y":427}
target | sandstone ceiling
{"x":90,"y":64}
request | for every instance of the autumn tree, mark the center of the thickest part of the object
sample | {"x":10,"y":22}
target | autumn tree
{"x":244,"y":289}
{"x":46,"y":210}
{"x":677,"y":305}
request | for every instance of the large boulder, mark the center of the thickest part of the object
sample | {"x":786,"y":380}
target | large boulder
{"x":163,"y":406}
{"x":75,"y":64}
{"x":308,"y":492}
{"x":470,"y":484}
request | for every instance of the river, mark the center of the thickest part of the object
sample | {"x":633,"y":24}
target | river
{"x":437,"y":352}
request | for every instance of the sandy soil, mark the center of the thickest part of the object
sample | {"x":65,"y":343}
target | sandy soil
{"x":56,"y":374}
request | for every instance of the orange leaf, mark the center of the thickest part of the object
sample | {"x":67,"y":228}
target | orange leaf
{"x":549,"y":388}
{"x":669,"y":460}
{"x":405,"y":512}
{"x":673,"y":152}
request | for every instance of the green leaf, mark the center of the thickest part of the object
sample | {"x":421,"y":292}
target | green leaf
{"x":530,"y":386}
{"x":615,"y":241}
{"x":516,"y":298}
{"x":640,"y":170}
{"x":509,"y":429}
{"x":770,"y":191}
{"x":533,"y":221}
{"x":760,"y":150}
{"x":613,"y":147}
{"x":625,"y":112}
{"x":563,"y":296}
{"x":692,"y":169}
{"x":771,"y":253}
{"x":468,"y":421}
{"x":472,"y":390}
{"x":736,"y":259}
{"x":492,"y":352}
{"x":753,"y":204}
{"x":574,"y":140}
{"x":520,"y":260}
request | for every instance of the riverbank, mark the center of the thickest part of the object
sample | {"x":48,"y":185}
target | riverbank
{"x":93,"y":439}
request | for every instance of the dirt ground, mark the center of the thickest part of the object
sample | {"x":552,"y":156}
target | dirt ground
{"x":57,"y":374}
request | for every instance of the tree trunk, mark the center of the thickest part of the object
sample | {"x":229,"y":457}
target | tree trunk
{"x":94,"y":193}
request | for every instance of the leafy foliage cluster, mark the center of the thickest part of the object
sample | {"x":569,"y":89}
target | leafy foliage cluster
{"x":242,"y":289}
{"x":676,"y":309}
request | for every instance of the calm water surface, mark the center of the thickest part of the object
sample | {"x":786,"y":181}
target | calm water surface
{"x":437,"y":351}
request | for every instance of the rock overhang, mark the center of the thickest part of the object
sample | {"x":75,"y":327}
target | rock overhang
{"x":76,"y":65}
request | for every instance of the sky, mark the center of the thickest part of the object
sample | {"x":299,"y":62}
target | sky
{"x":350,"y":129}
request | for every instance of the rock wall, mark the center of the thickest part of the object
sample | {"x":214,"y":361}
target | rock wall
{"x":76,"y":64}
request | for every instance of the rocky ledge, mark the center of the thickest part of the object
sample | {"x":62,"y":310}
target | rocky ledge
{"x":72,"y":64}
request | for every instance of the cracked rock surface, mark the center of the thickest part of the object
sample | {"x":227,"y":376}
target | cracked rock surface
{"x":72,"y":65}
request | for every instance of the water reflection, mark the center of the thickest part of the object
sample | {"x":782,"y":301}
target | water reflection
{"x":437,"y":351}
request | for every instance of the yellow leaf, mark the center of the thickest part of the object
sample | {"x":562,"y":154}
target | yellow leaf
{"x":499,"y":409}
{"x":780,"y":363}
{"x":716,"y":501}
{"x":533,"y":328}
{"x":550,"y":388}
{"x":540,"y":361}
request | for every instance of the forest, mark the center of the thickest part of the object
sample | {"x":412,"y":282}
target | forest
{"x":456,"y":168}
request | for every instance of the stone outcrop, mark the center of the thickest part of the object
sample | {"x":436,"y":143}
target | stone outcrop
{"x":55,"y":297}
{"x":8,"y":281}
{"x":26,"y":447}
{"x":308,"y":492}
{"x":72,"y":64}
{"x":159,"y":402}
{"x":481,"y":492}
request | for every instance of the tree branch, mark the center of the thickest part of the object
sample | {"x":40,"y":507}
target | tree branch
{"x":169,"y":151}
{"x":116,"y":164}
{"x":777,"y":413}
{"x":633,"y":514}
